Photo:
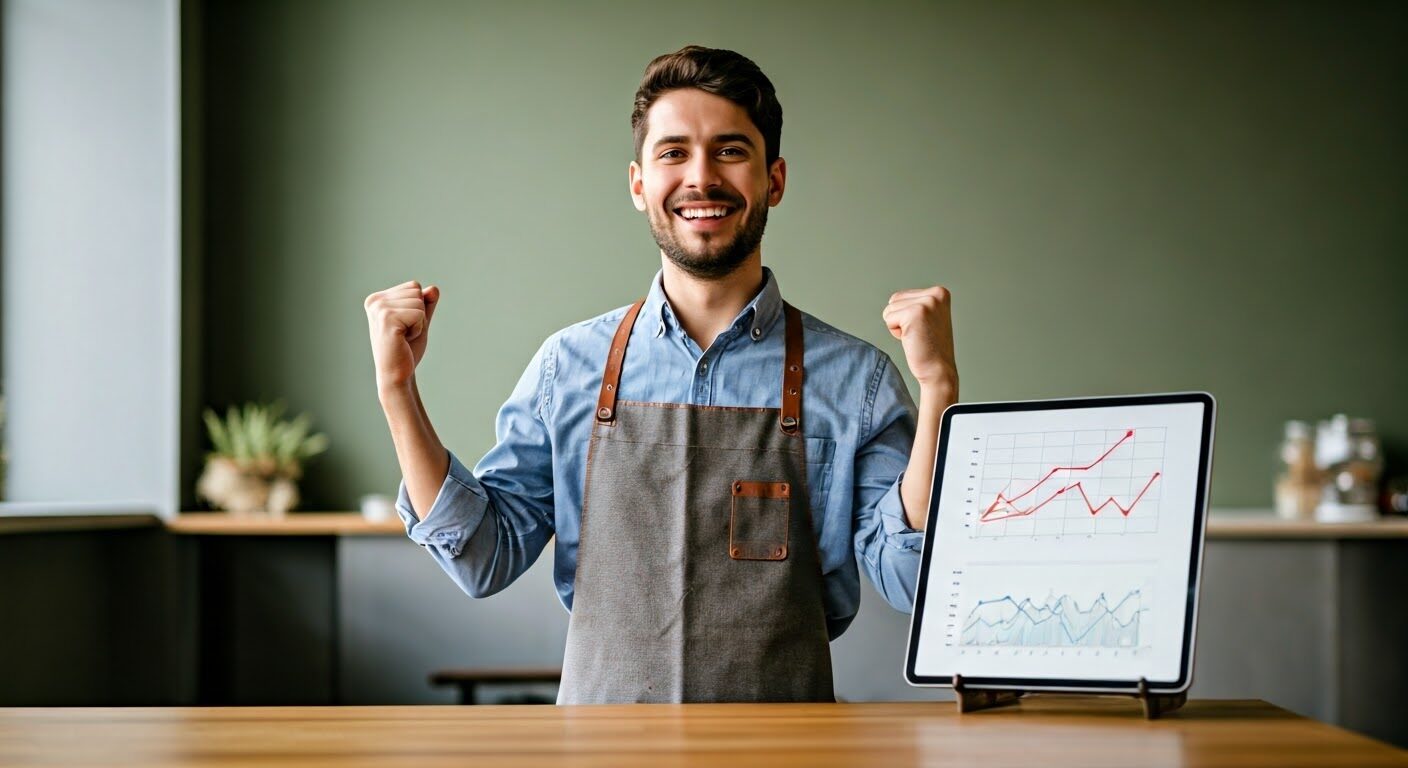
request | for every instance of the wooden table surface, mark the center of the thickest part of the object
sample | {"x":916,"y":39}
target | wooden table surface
{"x":1045,"y":731}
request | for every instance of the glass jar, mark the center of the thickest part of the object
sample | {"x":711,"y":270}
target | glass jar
{"x":1349,"y":454}
{"x":1297,"y":488}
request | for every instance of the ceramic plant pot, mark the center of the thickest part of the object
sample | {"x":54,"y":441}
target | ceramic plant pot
{"x":244,"y":490}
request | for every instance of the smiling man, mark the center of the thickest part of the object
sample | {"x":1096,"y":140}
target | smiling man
{"x":710,"y":462}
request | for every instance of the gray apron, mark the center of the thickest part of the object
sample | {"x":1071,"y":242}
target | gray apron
{"x":698,"y":577}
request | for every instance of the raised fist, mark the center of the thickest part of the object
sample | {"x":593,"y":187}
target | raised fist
{"x":399,"y":322}
{"x":921,"y":320}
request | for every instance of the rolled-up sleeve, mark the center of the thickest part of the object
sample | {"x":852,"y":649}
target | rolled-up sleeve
{"x":487,"y":526}
{"x":887,"y":547}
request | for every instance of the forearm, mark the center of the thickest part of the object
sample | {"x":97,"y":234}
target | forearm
{"x":914,"y":490}
{"x":423,"y":459}
{"x":425,"y":417}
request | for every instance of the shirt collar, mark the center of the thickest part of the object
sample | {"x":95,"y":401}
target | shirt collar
{"x":756,"y":320}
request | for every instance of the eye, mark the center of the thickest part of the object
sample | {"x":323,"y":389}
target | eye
{"x":671,"y":154}
{"x":733,"y":152}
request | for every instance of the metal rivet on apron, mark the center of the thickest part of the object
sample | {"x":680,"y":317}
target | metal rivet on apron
{"x":735,"y":551}
{"x":792,"y":368}
{"x":738,"y":487}
{"x":778,"y":552}
{"x":787,"y":421}
{"x":784,"y":487}
{"x":792,"y":391}
{"x":603,"y":413}
{"x":610,"y":388}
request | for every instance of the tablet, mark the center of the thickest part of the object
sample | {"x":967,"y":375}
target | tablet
{"x":1064,"y":545}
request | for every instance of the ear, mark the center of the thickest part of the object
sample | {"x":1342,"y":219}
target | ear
{"x":777,"y":181}
{"x":637,"y":185}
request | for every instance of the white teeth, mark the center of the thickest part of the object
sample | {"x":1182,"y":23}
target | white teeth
{"x":700,"y":213}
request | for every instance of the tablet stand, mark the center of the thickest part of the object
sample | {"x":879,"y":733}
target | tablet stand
{"x":974,"y":699}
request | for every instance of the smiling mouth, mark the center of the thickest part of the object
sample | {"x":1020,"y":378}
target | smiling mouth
{"x":705,"y":214}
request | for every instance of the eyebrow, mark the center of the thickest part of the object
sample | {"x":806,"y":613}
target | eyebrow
{"x":723,"y":138}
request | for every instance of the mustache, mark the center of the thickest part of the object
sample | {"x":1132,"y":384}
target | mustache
{"x":713,"y":196}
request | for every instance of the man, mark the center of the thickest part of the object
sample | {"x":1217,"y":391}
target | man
{"x":710,"y":461}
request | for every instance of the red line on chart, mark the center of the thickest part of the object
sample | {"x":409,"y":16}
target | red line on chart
{"x":988,"y":517}
{"x":1093,"y":509}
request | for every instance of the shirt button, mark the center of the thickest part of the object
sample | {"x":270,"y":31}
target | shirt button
{"x":757,"y":334}
{"x":703,"y":368}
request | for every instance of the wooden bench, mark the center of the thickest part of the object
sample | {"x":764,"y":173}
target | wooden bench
{"x":468,"y":680}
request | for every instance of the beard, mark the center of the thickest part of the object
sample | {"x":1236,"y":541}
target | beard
{"x":721,"y":253}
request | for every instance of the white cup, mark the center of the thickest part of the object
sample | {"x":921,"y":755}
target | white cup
{"x":377,"y":507}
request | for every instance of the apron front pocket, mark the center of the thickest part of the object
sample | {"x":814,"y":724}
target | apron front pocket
{"x":758,"y":523}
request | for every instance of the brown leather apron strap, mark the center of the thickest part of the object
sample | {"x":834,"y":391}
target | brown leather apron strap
{"x":611,"y":378}
{"x":791,"y":419}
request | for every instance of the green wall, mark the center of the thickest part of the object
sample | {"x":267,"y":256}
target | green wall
{"x":1122,"y":197}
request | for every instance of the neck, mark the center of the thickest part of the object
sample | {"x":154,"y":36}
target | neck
{"x":705,"y":308}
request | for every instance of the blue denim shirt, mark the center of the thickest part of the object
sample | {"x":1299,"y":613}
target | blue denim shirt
{"x":488,"y":526}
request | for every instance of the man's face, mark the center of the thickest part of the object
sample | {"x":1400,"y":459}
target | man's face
{"x":703,"y":181}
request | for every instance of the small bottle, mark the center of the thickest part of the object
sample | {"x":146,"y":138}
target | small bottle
{"x":1395,"y":498}
{"x":1366,"y":465}
{"x":1297,"y":487}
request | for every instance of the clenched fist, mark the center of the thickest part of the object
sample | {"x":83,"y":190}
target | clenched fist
{"x":399,"y":320}
{"x":920,"y":319}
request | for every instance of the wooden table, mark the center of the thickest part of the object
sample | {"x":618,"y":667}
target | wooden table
{"x":1047,"y":731}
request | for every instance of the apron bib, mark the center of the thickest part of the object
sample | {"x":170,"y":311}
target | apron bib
{"x":698,"y":576}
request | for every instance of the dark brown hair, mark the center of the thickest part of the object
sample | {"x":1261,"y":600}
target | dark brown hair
{"x":723,"y":73}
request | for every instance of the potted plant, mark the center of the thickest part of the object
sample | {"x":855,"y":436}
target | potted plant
{"x":257,"y":459}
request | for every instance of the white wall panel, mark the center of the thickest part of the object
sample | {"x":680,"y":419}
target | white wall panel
{"x":91,"y":266}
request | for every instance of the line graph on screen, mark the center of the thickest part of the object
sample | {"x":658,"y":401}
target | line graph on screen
{"x":1073,"y":482}
{"x":1056,"y":621}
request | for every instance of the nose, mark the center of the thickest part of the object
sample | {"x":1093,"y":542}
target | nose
{"x":702,"y":172}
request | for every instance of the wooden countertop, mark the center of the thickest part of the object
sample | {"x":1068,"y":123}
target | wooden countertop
{"x":1050,"y":731}
{"x":292,"y":524}
{"x":1239,"y":526}
{"x":1221,"y":525}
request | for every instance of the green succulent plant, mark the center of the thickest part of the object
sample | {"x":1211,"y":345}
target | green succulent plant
{"x":257,"y":439}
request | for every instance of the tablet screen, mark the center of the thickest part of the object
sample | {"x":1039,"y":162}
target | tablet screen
{"x":1063,"y":542}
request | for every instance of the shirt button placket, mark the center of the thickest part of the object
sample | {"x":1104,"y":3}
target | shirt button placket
{"x":701,"y":388}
